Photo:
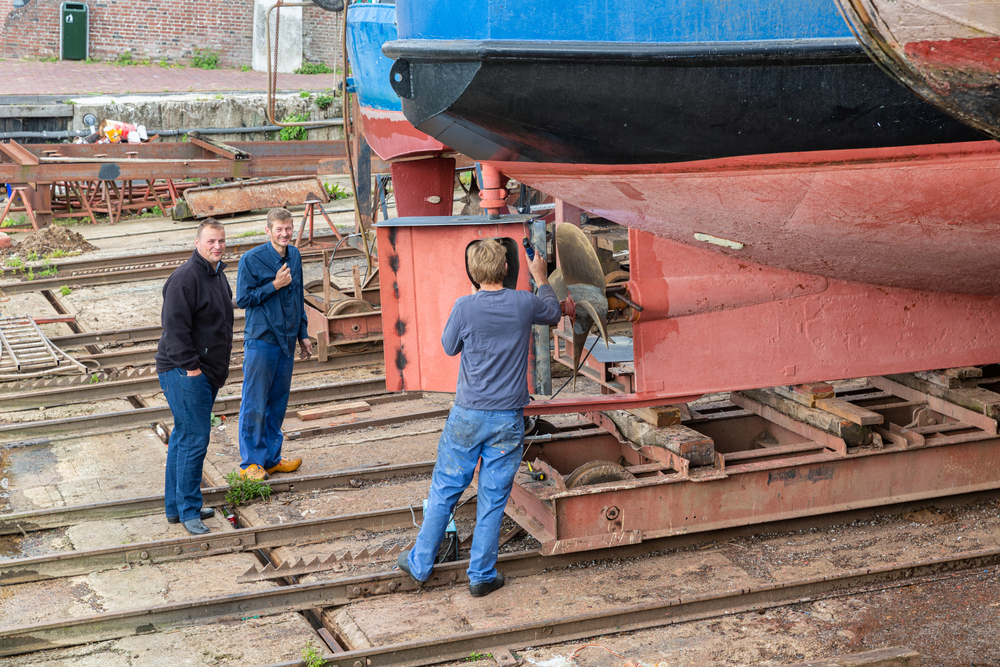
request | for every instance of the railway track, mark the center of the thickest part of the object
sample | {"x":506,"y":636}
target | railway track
{"x":133,"y":268}
{"x":342,"y":591}
{"x":224,"y":405}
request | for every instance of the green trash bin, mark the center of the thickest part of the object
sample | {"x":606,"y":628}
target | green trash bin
{"x":74,"y":31}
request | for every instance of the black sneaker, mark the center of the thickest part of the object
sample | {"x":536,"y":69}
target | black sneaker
{"x":486,"y":587}
{"x":404,"y":565}
{"x":196,"y":527}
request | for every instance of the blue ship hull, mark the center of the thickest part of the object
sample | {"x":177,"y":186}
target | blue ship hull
{"x":594,"y":81}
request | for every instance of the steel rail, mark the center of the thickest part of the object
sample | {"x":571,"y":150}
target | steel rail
{"x":338,"y":592}
{"x":58,"y":517}
{"x":224,"y":405}
{"x":73,"y":563}
{"x":103,"y":391}
{"x":134,"y":272}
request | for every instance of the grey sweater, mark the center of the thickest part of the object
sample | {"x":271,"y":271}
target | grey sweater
{"x":492,"y":331}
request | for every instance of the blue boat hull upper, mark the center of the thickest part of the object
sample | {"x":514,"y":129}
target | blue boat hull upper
{"x":629,"y":82}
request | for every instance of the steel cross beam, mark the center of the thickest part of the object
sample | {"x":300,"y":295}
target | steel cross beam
{"x":177,"y":160}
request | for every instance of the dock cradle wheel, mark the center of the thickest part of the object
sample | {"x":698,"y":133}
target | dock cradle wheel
{"x":597,"y":472}
{"x":351,"y":307}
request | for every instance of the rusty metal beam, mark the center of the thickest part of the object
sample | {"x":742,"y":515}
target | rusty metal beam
{"x":250,"y":195}
{"x":178,"y":160}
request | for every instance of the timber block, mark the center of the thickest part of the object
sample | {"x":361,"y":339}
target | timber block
{"x":807,"y":394}
{"x":687,"y":443}
{"x":853,"y":434}
{"x":333,"y":410}
{"x":667,"y":415}
{"x":976,"y":399}
{"x":963,"y":377}
{"x":897,"y":656}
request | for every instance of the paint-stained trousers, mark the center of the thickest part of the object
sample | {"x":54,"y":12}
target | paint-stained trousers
{"x":496,"y":436}
{"x":267,"y":377}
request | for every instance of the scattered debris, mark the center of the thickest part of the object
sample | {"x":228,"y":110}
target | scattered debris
{"x":52,"y":238}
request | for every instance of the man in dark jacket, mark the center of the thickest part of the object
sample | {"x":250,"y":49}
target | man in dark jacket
{"x":192,"y":361}
{"x":269,"y":286}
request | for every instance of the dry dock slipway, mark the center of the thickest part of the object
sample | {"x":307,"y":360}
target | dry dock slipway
{"x":765,"y":433}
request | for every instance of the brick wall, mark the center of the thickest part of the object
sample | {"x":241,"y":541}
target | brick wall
{"x":160,"y":30}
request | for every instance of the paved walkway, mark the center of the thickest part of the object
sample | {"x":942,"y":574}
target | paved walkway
{"x":33,"y":77}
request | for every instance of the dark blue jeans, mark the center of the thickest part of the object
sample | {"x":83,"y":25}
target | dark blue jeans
{"x":495,"y":436}
{"x":267,"y":377}
{"x":190,"y":399}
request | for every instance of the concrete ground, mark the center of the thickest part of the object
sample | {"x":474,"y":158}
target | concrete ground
{"x":32,"y":78}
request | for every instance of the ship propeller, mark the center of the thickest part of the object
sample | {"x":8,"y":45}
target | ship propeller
{"x":579,"y":276}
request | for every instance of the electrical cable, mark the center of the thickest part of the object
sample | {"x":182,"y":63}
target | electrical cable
{"x":597,"y":338}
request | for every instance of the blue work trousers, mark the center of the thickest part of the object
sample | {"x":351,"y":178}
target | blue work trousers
{"x":190,"y":399}
{"x":495,"y":436}
{"x":267,"y":377}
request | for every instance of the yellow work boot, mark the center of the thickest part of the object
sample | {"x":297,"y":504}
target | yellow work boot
{"x":253,"y":471}
{"x":286,"y":465}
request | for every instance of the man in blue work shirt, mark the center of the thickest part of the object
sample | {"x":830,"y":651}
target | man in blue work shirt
{"x":492,"y":330}
{"x":269,"y":288}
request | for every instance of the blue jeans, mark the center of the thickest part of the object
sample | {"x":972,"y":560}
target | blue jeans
{"x":495,"y":436}
{"x":190,"y":399}
{"x":267,"y":377}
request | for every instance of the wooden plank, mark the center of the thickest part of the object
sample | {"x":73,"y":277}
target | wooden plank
{"x":963,"y":377}
{"x":849,"y":411}
{"x":897,"y":656}
{"x":36,"y":111}
{"x":667,"y":415}
{"x":333,"y":410}
{"x":806,"y":394}
{"x":853,"y":434}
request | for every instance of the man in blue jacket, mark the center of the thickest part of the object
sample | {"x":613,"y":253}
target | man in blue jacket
{"x":192,"y":361}
{"x":269,"y":287}
{"x":492,"y":331}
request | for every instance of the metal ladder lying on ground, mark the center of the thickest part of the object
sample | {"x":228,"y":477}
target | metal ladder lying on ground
{"x":27,"y":352}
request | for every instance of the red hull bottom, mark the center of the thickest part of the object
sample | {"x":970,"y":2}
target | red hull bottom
{"x":712,"y":323}
{"x":925,"y":217}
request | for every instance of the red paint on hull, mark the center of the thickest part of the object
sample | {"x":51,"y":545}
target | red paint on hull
{"x":392,"y":137}
{"x":717,"y":324}
{"x":922,"y":218}
{"x":974,"y":55}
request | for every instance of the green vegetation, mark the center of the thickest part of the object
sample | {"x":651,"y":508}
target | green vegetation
{"x":14,"y":262}
{"x":216,"y":419}
{"x":242,"y":490}
{"x":336,"y":192}
{"x":246,"y":68}
{"x":314,"y":68}
{"x":19,"y":221}
{"x":32,"y":257}
{"x":293,"y":133}
{"x":243,"y":235}
{"x":220,"y":96}
{"x":305,"y":94}
{"x":57,"y":253}
{"x":65,"y":290}
{"x":47,"y":270}
{"x":68,"y":222}
{"x":125,"y":59}
{"x":312,"y":656}
{"x":94,"y":379}
{"x":475,"y":656}
{"x":205,"y":59}
{"x":324,"y":101}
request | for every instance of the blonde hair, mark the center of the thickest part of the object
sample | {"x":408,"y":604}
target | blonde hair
{"x":277,"y":214}
{"x":487,"y":262}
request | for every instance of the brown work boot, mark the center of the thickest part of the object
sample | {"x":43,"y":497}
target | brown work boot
{"x":286,"y":465}
{"x":253,"y":471}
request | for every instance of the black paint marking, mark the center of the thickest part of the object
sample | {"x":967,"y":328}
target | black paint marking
{"x":395,"y":290}
{"x":392,"y":236}
{"x":787,"y":476}
{"x":394,"y":263}
{"x":820,"y":474}
{"x":401,"y":360}
{"x":400,"y":328}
